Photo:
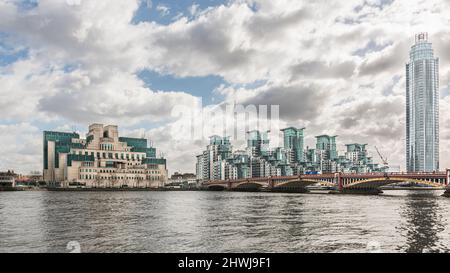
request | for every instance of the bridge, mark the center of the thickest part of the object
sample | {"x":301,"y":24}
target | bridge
{"x":341,"y":182}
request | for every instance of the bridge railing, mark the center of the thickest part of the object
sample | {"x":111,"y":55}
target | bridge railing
{"x":330,"y":175}
{"x":394,"y":173}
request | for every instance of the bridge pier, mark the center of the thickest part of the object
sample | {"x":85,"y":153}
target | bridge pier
{"x":339,"y":181}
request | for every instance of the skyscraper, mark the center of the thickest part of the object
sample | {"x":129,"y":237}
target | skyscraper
{"x":422,"y":107}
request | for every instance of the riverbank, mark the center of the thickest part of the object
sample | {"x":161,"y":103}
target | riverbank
{"x":309,"y":191}
{"x":10,"y":189}
{"x":114,"y":189}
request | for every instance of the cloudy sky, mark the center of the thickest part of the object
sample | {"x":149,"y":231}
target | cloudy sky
{"x":334,"y":67}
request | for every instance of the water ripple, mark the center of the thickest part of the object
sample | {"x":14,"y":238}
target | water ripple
{"x":399,"y":221}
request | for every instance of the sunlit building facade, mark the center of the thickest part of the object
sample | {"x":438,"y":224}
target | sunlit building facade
{"x":210,"y":164}
{"x":7,"y":179}
{"x":219,"y":162}
{"x":422,"y":107}
{"x":103,"y":159}
{"x":294,"y":142}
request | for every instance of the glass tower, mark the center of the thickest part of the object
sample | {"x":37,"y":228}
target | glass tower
{"x":258,"y":142}
{"x":422,"y":107}
{"x":293,"y":140}
{"x":327,"y":144}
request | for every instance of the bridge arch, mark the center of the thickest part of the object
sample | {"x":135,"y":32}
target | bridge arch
{"x":251,"y":186}
{"x":384,"y":181}
{"x":303,"y":183}
{"x":217,"y":187}
{"x":295,"y":183}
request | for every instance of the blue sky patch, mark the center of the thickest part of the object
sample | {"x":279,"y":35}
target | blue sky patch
{"x":25,"y":5}
{"x":372,"y":46}
{"x":8,"y":53}
{"x":445,"y":92}
{"x":166,"y":12}
{"x":12,"y":57}
{"x":196,"y":86}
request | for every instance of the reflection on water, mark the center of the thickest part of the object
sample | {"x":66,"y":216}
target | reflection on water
{"x":424,"y":223}
{"x":397,"y":221}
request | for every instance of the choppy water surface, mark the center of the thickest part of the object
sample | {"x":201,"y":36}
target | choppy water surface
{"x":397,"y":221}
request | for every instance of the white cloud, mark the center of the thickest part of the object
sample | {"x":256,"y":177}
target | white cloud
{"x":83,"y":59}
{"x":163,"y":10}
{"x":21,"y":146}
{"x":194,"y":9}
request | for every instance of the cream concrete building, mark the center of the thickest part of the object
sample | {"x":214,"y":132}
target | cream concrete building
{"x":101,"y":160}
{"x":7,"y":179}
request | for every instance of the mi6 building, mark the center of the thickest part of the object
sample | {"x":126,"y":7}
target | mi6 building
{"x":102,"y":160}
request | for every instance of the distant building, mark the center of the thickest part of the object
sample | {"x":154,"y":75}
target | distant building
{"x":327,"y":153}
{"x":291,"y":159}
{"x":241,"y":160}
{"x":327,"y":144}
{"x":30,"y":180}
{"x":422,"y":107}
{"x":257,"y":143}
{"x":7,"y":179}
{"x":207,"y":167}
{"x":293,"y":142}
{"x":357,"y":160}
{"x":182,"y":176}
{"x":356,"y":152}
{"x":103,"y":159}
{"x":182,"y":181}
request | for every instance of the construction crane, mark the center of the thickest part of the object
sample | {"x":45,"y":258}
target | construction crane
{"x":383,"y":159}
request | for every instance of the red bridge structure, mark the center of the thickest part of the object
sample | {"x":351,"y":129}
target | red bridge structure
{"x":341,"y":182}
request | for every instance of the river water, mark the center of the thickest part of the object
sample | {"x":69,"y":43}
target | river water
{"x":396,"y":221}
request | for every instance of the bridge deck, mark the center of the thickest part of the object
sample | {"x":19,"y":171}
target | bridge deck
{"x":342,"y":180}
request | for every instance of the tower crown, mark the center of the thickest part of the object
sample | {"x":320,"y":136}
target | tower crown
{"x":421,"y":37}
